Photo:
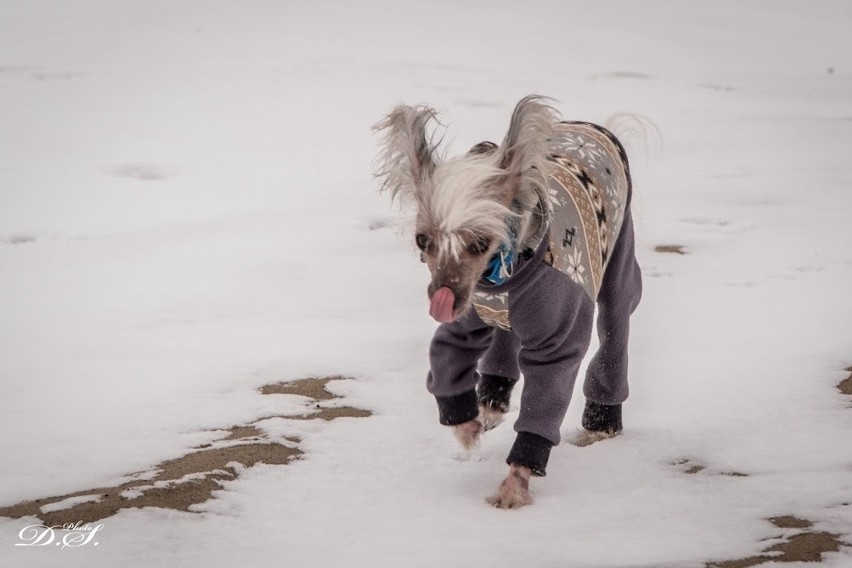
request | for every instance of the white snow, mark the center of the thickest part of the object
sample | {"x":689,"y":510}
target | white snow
{"x":70,"y":502}
{"x":187,"y":213}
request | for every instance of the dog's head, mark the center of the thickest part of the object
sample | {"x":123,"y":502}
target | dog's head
{"x":467,"y":206}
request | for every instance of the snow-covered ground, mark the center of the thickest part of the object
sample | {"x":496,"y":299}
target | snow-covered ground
{"x":187,"y":213}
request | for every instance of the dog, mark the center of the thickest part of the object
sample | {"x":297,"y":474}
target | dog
{"x":523,"y":241}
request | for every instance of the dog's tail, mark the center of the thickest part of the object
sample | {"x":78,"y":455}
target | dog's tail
{"x":636,"y":131}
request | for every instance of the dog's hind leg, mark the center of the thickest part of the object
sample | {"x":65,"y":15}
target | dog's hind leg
{"x":494,"y":393}
{"x":606,"y":385}
{"x":600,"y":421}
{"x":499,"y":373}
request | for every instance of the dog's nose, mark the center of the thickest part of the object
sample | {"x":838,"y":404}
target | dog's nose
{"x":436,"y":285}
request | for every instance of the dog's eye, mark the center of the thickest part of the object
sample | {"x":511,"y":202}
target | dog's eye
{"x":422,"y":241}
{"x":479,"y":246}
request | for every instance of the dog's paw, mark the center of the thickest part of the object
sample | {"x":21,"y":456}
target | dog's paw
{"x":468,"y":433}
{"x":514,"y":492}
{"x":582,"y":437}
{"x":490,"y":417}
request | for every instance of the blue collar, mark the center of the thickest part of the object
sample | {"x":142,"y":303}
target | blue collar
{"x":500,"y":266}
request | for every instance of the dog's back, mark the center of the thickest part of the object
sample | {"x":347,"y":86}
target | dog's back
{"x":590,"y":191}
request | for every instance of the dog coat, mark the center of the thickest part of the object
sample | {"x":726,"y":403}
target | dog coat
{"x":589,"y":185}
{"x":539,"y":320}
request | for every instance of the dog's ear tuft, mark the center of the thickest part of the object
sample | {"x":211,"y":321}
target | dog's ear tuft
{"x":407,"y":159}
{"x":525,"y":150}
{"x":530,"y":132}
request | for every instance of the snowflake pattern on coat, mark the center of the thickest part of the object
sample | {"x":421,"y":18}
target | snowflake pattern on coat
{"x":575,"y":267}
{"x":588,"y":188}
{"x":590,"y":181}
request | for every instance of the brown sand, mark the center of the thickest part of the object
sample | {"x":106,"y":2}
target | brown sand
{"x":691,"y":468}
{"x":671,"y":249}
{"x":805,"y":546}
{"x":312,"y":388}
{"x":845,"y":386}
{"x":243,"y":432}
{"x":207,"y":467}
{"x":790,"y":522}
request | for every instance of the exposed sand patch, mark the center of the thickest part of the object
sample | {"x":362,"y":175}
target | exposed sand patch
{"x":179,"y":484}
{"x":315,"y":388}
{"x":312,"y":388}
{"x":243,"y":432}
{"x":670,"y":249}
{"x":190,"y":480}
{"x":691,"y":467}
{"x":336,"y":412}
{"x":804,"y":546}
{"x":801,"y":543}
{"x":845,"y":386}
{"x":790,"y":522}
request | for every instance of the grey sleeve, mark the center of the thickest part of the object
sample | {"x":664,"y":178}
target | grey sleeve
{"x":554,"y":326}
{"x":501,"y":359}
{"x":621,"y":290}
{"x":453,"y":355}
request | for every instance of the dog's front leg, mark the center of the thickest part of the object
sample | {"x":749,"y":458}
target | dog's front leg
{"x":514,"y":492}
{"x":468,"y":433}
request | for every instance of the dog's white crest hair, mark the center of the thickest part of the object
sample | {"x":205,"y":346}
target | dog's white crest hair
{"x":524,"y":154}
{"x":476,"y":195}
{"x":408,"y":157}
{"x":461,"y":203}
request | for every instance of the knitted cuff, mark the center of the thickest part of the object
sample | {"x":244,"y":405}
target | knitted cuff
{"x":532,"y":451}
{"x":602,"y":417}
{"x":458,"y":408}
{"x":495,"y":391}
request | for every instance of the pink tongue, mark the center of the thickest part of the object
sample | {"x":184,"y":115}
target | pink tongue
{"x":441,"y":308}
